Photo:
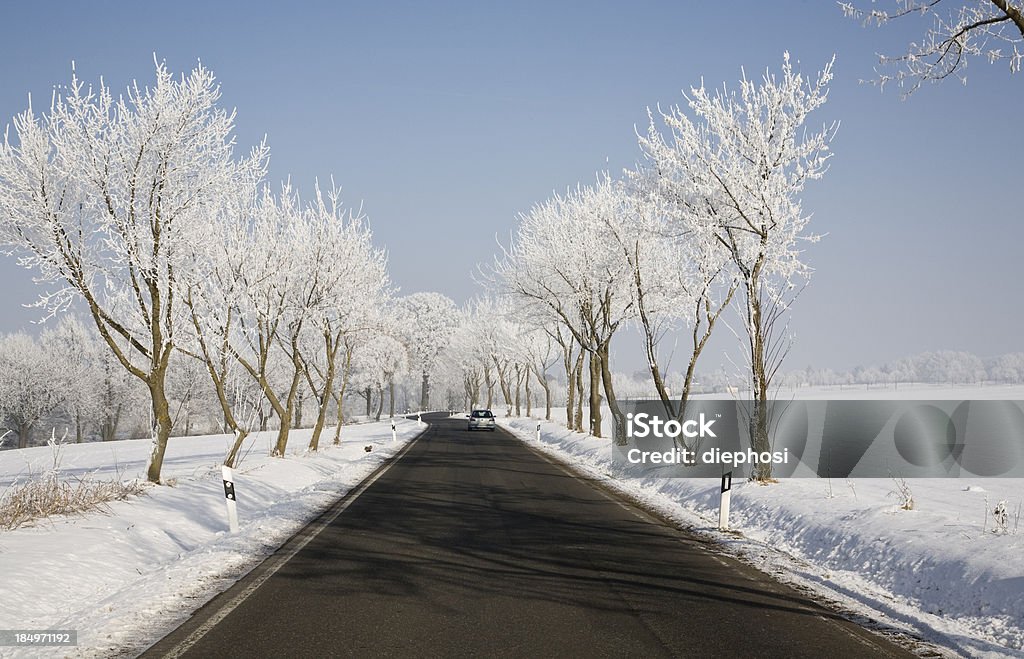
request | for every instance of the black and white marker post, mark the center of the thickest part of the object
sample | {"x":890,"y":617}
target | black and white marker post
{"x":394,"y":431}
{"x":723,"y":509}
{"x":229,"y":496}
{"x":538,"y":431}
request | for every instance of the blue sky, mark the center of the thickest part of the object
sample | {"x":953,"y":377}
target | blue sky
{"x":446,"y":119}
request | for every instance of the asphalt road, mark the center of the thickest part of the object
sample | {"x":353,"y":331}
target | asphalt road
{"x":472,"y":545}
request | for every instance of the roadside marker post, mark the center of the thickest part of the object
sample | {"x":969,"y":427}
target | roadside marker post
{"x":394,"y":432}
{"x":538,"y":431}
{"x":229,"y":496}
{"x":723,"y":510}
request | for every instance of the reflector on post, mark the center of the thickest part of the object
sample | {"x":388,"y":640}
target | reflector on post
{"x":723,"y":510}
{"x":229,"y":497}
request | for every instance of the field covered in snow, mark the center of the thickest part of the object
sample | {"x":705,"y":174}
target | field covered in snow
{"x":124,"y":578}
{"x":938,"y":572}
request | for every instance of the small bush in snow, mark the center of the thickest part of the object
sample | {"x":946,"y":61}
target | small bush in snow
{"x":1001,"y":517}
{"x":49,"y":493}
{"x":904,"y":495}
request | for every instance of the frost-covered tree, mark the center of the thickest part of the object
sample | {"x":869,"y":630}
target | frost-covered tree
{"x":80,"y":371}
{"x":738,"y":163}
{"x":955,"y":33}
{"x":350,"y":286}
{"x":564,"y":264}
{"x":539,"y":354}
{"x":679,"y":278}
{"x":214,"y":301}
{"x":187,"y":388}
{"x":283,"y":290}
{"x":108,"y":199}
{"x":469,"y":355}
{"x":30,"y":384}
{"x":376,"y":363}
{"x":427,"y":323}
{"x":1007,"y":368}
{"x":497,"y":333}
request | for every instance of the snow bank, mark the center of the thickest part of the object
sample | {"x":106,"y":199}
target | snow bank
{"x":938,"y":571}
{"x":125,"y":578}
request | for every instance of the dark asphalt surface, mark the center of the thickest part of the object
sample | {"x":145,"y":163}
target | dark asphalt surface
{"x":472,"y":545}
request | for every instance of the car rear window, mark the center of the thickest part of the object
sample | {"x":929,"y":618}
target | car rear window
{"x":482,"y":414}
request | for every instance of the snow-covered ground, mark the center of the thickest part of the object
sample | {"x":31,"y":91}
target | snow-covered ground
{"x":938,"y":571}
{"x":124,"y":578}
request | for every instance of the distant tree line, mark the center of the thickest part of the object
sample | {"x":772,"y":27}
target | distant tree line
{"x":66,"y":382}
{"x":936,"y":367}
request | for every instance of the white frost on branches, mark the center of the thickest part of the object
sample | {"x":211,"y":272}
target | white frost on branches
{"x":956,"y":33}
{"x":109,"y":199}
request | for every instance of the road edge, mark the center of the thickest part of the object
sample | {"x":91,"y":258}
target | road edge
{"x":611,"y":489}
{"x":180,"y":639}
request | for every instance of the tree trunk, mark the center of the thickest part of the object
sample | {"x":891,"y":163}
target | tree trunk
{"x":287,"y":410}
{"x":759,"y":418}
{"x":340,"y":420}
{"x":162,"y":420}
{"x":547,"y":395}
{"x":526,"y":382}
{"x":380,"y":403}
{"x":324,"y":396}
{"x":570,"y":393}
{"x":391,"y":397}
{"x":111,"y":420}
{"x":618,"y":432}
{"x":578,"y":377}
{"x":519,"y":387}
{"x":232,"y":456}
{"x":368,"y":395}
{"x":489,"y":380}
{"x":340,"y":398}
{"x":595,"y":395}
{"x":506,"y":391}
{"x":78,"y":427}
{"x":24,"y":434}
{"x":321,"y":421}
{"x":425,"y":392}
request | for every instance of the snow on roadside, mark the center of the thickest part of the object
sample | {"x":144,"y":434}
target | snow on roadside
{"x":126,"y":577}
{"x":938,"y":572}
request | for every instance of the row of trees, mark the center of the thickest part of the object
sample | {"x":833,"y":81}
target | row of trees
{"x":137,"y":209}
{"x":711,"y":219}
{"x":66,"y":372}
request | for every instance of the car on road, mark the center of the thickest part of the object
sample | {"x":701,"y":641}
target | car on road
{"x":481,"y":420}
